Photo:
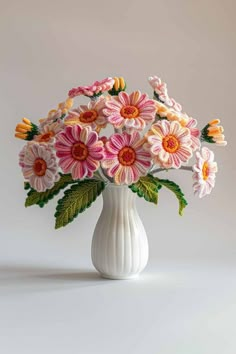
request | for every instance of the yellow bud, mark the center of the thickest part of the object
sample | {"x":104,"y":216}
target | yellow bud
{"x":116,"y":84}
{"x":122,"y":83}
{"x":26,"y":121}
{"x":69,"y":103}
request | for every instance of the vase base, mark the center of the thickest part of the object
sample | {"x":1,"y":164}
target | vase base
{"x":119,"y":277}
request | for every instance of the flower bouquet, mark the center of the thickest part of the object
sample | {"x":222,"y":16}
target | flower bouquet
{"x":70,"y":149}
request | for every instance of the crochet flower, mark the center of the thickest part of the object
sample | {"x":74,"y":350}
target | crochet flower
{"x":90,"y":114}
{"x":132,"y":111}
{"x":79,"y":151}
{"x":170,"y":143}
{"x":39,"y":166}
{"x":119,"y":85}
{"x":183,"y":119}
{"x":57,"y":114}
{"x":204,"y":172}
{"x":96,"y":89}
{"x":213,"y":133}
{"x":160,"y":91}
{"x":26,"y":130}
{"x":49,"y":131}
{"x":125,"y":159}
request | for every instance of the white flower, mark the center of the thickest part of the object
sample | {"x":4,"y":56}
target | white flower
{"x":39,"y":166}
{"x":204,"y":172}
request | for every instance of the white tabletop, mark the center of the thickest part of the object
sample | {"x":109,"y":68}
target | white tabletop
{"x":173,"y":308}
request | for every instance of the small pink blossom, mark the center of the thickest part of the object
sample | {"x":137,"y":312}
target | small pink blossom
{"x":39,"y":166}
{"x":204,"y":172}
{"x":125,"y":159}
{"x":47,"y":132}
{"x":98,"y":87}
{"x":169,"y":143}
{"x":160,"y":89}
{"x":79,"y":151}
{"x":133,"y":111}
{"x":88,"y":115}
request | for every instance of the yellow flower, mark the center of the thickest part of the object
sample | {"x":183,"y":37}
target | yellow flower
{"x":213,"y":133}
{"x":119,"y":85}
{"x":65,"y":106}
{"x":26,"y":130}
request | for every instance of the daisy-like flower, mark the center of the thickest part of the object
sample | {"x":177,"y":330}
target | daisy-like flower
{"x":90,"y":114}
{"x":204,"y":172}
{"x":160,"y":91}
{"x":57,"y":114}
{"x":79,"y":151}
{"x":48,"y":132}
{"x":26,"y":130}
{"x":96,"y":89}
{"x":184,"y":120}
{"x":170,"y":143}
{"x":213,"y":133}
{"x":22,"y":156}
{"x":39,"y":166}
{"x":125,"y":159}
{"x":132,"y":111}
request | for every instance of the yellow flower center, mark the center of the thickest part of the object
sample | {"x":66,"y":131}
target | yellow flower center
{"x":40,"y":167}
{"x":170,"y":143}
{"x":205,"y":171}
{"x":79,"y":151}
{"x":88,"y":116}
{"x":129,"y":112}
{"x":127,"y":156}
{"x":45,"y":137}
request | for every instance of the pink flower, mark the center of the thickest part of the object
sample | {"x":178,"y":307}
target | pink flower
{"x":191,"y":124}
{"x":98,"y":87}
{"x":160,"y":88}
{"x":170,"y":143}
{"x":204,"y":172}
{"x":48,"y":131}
{"x":90,"y":114}
{"x":125,"y":159}
{"x":79,"y":151}
{"x":39,"y":166}
{"x":22,"y":156}
{"x":132,"y":111}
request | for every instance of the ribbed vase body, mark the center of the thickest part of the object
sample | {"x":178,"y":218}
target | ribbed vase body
{"x":119,"y":245}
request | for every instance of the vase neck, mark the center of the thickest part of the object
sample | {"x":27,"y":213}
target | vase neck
{"x":120,"y":196}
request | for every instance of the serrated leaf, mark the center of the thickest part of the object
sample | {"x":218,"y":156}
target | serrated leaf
{"x":146,"y":187}
{"x":41,"y":198}
{"x":76,"y":199}
{"x":176,"y":190}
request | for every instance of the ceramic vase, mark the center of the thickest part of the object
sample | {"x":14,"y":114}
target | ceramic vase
{"x":119,"y":245}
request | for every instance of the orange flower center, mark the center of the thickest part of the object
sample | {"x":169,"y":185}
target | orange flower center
{"x":127,"y":156}
{"x":79,"y":151}
{"x":40,"y":167}
{"x":170,"y":143}
{"x":88,"y":116}
{"x":129,"y":112}
{"x":205,"y":171}
{"x":46,"y":137}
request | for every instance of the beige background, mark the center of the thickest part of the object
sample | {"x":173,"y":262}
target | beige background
{"x":48,"y":47}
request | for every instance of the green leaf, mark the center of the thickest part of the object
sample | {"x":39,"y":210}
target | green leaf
{"x":76,"y":199}
{"x":176,"y":190}
{"x":204,"y":135}
{"x":26,"y":186}
{"x":146,"y":187}
{"x":41,"y":198}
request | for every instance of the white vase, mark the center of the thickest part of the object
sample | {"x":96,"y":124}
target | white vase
{"x":119,"y":245}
